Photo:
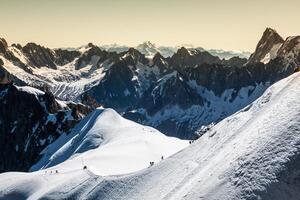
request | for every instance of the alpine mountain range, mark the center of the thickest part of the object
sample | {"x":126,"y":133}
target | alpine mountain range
{"x":183,"y":92}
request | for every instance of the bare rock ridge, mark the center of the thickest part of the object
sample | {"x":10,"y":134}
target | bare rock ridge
{"x":273,"y":47}
{"x":269,"y":39}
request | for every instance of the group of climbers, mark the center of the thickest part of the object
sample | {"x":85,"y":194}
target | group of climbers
{"x":152,"y":163}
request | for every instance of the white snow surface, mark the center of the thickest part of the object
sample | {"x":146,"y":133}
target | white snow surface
{"x":253,"y":154}
{"x":30,"y":90}
{"x":108,"y":144}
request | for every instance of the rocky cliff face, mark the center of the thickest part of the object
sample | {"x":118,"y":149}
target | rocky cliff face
{"x":65,"y":56}
{"x":39,"y":56}
{"x":269,"y":43}
{"x":3,"y":45}
{"x":29,"y":121}
{"x":94,"y":56}
{"x":190,"y":57}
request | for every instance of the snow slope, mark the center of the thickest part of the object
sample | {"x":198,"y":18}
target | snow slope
{"x":254,"y":154}
{"x":108,"y":144}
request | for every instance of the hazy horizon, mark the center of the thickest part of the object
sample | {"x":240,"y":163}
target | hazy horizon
{"x":211,"y":24}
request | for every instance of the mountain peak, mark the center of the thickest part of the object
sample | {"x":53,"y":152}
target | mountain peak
{"x":157,"y":55}
{"x":147,"y":43}
{"x":90,"y":44}
{"x":290,"y":47}
{"x":268,"y":44}
{"x":132,"y":51}
{"x":39,"y":56}
{"x":271,"y":34}
{"x":135,"y":56}
{"x":183,"y":52}
{"x":3,"y":45}
{"x":270,"y":31}
{"x":159,"y":60}
{"x":147,"y":48}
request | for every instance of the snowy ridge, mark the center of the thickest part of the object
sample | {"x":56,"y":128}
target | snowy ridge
{"x":108,"y":143}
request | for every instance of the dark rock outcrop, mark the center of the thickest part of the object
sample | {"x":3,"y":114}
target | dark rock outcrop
{"x":289,"y":51}
{"x":161,"y":62}
{"x":94,"y":55}
{"x":3,"y":46}
{"x":133,"y":56}
{"x":39,"y":56}
{"x":184,"y":58}
{"x":65,"y":56}
{"x":172,"y":89}
{"x":29,"y":121}
{"x":116,"y":89}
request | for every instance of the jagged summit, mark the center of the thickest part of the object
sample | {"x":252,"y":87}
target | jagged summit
{"x":183,"y":52}
{"x":267,"y":46}
{"x":134,"y":56}
{"x":191,"y":57}
{"x":159,"y":61}
{"x":3,"y":45}
{"x":292,"y":43}
{"x":271,"y":31}
{"x":147,"y":44}
{"x":90,"y":44}
{"x":272,"y":46}
{"x":134,"y":51}
{"x":147,"y":48}
{"x":39,"y":56}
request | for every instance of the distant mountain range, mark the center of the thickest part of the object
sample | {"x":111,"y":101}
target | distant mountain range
{"x":150,"y":49}
{"x":180,"y":95}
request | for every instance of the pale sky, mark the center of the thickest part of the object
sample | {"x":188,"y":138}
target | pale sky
{"x":221,"y":24}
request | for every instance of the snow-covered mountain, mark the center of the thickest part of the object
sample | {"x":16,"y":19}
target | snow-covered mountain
{"x":176,"y":95}
{"x":267,"y":47}
{"x":223,"y":54}
{"x":108,"y":145}
{"x":253,"y":154}
{"x":150,"y":49}
{"x":272,"y":46}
